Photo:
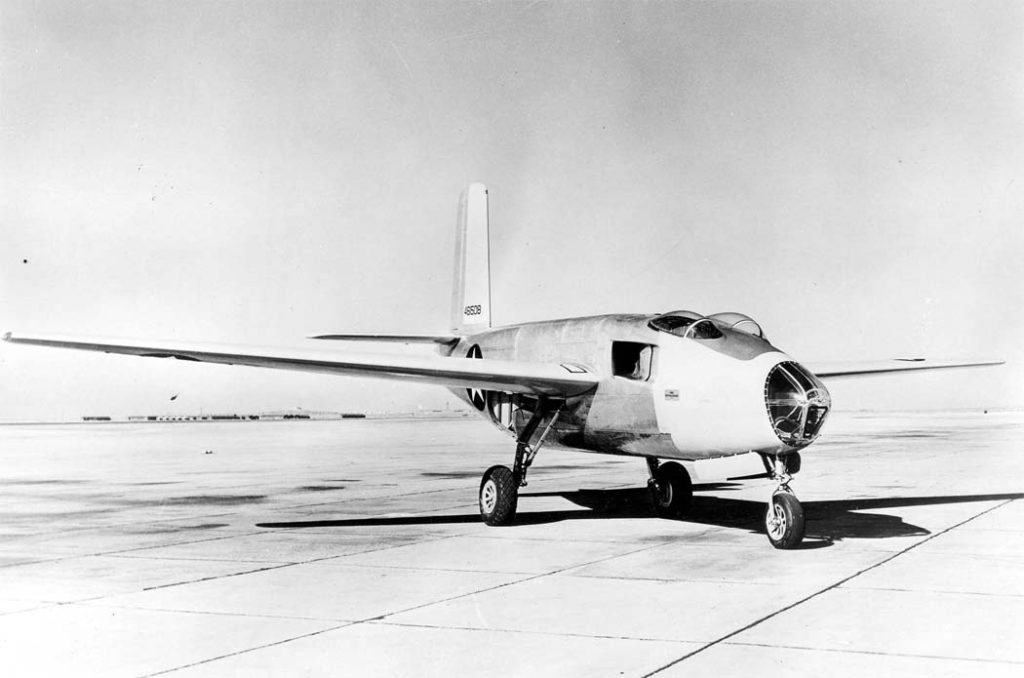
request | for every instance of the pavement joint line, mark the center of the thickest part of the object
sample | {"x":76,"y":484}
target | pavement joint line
{"x":179,"y":543}
{"x":248,"y":649}
{"x":535,"y":632}
{"x":998,"y":529}
{"x":880,"y":654}
{"x":662,"y":580}
{"x":99,"y":604}
{"x":39,"y":561}
{"x":1009,"y":558}
{"x":116,"y":553}
{"x":35,"y":605}
{"x":240,"y":561}
{"x":211,"y":578}
{"x":982,"y":594}
{"x":411,"y":568}
{"x":277,"y":566}
{"x":831,"y":587}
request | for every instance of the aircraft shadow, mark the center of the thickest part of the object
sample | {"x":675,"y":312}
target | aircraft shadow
{"x":827,"y":521}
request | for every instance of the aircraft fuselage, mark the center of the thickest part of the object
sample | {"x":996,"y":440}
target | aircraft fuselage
{"x":699,"y":396}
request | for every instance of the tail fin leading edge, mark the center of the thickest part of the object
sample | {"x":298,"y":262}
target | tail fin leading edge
{"x":471,"y":294}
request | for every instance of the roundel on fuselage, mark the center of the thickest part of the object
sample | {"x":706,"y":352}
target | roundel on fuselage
{"x":476,"y":396}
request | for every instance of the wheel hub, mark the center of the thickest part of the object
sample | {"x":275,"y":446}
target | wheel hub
{"x":665,"y":494}
{"x":776,"y":521}
{"x":489,"y":496}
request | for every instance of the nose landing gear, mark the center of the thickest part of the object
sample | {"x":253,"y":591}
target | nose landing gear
{"x":784,"y":520}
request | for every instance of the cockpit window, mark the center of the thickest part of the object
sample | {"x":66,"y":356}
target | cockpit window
{"x":669,"y":323}
{"x":685,"y":324}
{"x":673,"y":323}
{"x":703,"y":329}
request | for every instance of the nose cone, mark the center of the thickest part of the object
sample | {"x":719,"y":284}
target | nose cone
{"x":797,"y":403}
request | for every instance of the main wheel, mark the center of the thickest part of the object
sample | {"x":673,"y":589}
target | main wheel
{"x":784,"y":521}
{"x":672,"y":490}
{"x":499,"y":496}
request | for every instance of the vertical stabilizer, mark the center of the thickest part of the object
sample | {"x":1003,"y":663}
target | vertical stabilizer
{"x":471,"y":295}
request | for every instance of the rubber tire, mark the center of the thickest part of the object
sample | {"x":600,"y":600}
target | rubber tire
{"x":786,"y":507}
{"x":676,"y":492}
{"x":505,"y":496}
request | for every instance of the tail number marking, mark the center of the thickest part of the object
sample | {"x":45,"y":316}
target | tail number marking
{"x":475,"y":309}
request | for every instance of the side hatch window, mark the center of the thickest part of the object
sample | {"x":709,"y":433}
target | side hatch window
{"x":631,"y":360}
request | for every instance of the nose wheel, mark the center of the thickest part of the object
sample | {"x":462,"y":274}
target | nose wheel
{"x":784,"y":520}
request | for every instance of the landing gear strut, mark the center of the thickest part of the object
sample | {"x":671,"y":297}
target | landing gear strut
{"x":784,"y":520}
{"x":499,"y":487}
{"x":670,"y":486}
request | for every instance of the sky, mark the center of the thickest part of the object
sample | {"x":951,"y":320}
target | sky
{"x":847,"y":173}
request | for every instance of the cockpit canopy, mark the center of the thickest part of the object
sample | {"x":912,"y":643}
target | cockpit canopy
{"x":739,"y":321}
{"x":697,"y":326}
{"x":686,"y":324}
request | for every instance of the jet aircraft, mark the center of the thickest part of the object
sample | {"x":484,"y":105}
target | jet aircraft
{"x":665,"y":387}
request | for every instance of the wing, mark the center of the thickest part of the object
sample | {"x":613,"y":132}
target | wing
{"x":548,"y":379}
{"x":832,"y":370}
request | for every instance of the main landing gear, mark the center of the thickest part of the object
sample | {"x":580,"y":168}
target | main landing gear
{"x":671,"y":488}
{"x":784,"y":521}
{"x":499,"y":487}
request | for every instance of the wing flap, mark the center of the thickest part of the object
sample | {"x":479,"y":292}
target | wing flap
{"x":444,"y":340}
{"x":831,"y":370}
{"x":548,"y":379}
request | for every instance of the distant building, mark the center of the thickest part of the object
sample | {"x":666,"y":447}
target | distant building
{"x":289,"y":415}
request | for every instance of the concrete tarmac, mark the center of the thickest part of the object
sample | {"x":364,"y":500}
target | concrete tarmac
{"x":352,"y":548}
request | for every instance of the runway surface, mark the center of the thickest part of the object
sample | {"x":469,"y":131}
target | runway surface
{"x":354,"y":548}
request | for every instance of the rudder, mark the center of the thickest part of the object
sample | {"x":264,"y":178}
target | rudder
{"x":471,"y":292}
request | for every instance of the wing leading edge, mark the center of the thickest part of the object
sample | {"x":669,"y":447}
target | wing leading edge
{"x":547,"y":379}
{"x":832,"y":370}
